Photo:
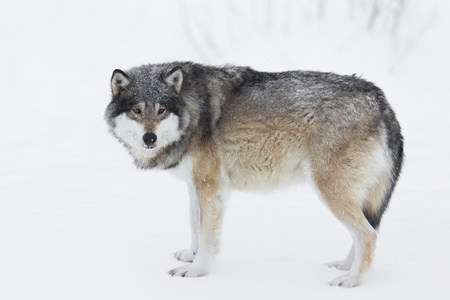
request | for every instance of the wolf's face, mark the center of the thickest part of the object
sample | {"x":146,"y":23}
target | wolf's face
{"x":144,"y":113}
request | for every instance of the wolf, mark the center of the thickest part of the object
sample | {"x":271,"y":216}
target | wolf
{"x":233,"y":128}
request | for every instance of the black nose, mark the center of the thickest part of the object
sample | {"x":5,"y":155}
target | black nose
{"x":149,"y":138}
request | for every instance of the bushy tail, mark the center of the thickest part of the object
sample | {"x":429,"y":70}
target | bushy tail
{"x":395,"y":148}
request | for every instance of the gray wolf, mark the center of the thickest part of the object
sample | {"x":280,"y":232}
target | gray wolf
{"x":233,"y":128}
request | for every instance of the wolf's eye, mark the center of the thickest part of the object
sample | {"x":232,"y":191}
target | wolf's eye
{"x":137,"y":111}
{"x":161,"y":111}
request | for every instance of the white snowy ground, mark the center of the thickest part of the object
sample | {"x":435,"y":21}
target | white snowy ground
{"x":78,"y":221}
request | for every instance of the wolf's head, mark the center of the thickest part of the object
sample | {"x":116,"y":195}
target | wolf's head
{"x":145,"y":113}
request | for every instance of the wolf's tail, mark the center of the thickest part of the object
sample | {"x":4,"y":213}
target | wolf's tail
{"x":394,"y":140}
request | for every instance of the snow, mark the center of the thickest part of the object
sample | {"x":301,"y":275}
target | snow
{"x":79,"y":221}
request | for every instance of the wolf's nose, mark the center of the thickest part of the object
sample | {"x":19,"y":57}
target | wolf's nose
{"x":149,"y":138}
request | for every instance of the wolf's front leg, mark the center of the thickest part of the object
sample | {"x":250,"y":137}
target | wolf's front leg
{"x":188,"y":255}
{"x":211,"y":210}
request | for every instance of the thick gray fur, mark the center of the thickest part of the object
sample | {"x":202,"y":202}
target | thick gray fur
{"x":207,"y":91}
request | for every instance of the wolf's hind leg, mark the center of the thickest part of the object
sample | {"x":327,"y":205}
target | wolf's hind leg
{"x":337,"y":191}
{"x":345,"y":264}
{"x":364,"y":239}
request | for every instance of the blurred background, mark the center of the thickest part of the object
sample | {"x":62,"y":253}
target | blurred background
{"x":78,"y":221}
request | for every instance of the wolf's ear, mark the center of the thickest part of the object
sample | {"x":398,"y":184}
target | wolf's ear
{"x":174,"y":79}
{"x":119,"y":81}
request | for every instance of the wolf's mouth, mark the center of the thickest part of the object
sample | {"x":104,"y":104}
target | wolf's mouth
{"x":149,"y":147}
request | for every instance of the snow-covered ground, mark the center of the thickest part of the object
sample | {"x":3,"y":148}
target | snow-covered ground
{"x":79,"y":221}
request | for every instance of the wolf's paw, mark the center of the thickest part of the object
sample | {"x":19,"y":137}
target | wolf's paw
{"x":347,"y":281}
{"x":340,"y":265}
{"x":186,"y":255}
{"x":188,"y":271}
